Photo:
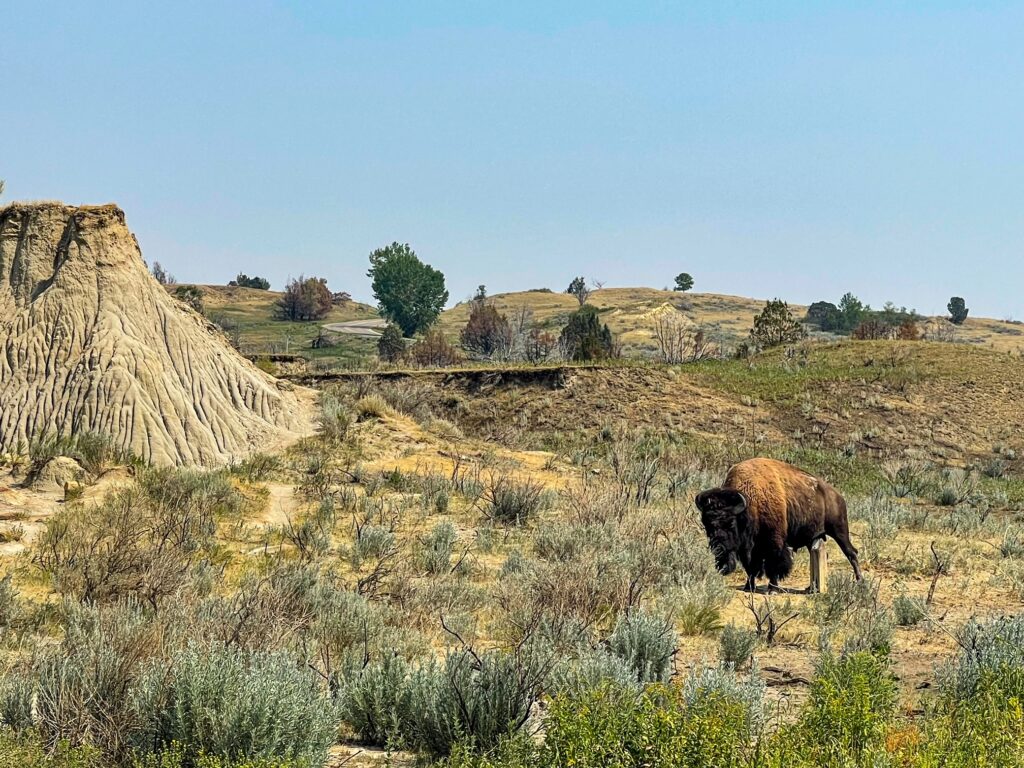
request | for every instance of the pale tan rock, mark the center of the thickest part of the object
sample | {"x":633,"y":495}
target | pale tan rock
{"x":57,"y":474}
{"x":89,"y":341}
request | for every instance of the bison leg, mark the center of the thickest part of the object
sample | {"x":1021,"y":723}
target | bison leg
{"x":841,"y":534}
{"x":753,"y":564}
{"x":777,"y":565}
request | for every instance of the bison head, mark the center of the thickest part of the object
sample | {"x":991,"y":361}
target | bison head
{"x":723,"y":513}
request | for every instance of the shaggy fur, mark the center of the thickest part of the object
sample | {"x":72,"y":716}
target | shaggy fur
{"x":764,"y":511}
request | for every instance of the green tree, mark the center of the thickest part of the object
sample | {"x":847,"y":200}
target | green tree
{"x":775,"y":325}
{"x":851,"y":312}
{"x":957,"y":310}
{"x":823,"y":314}
{"x":244,"y":281}
{"x":578,"y":288}
{"x":409,"y":293}
{"x":684,"y":281}
{"x":391,"y":345}
{"x":584,"y":337}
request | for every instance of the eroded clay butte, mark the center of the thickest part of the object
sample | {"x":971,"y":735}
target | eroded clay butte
{"x":89,"y":341}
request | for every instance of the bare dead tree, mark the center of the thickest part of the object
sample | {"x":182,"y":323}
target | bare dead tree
{"x":680,"y":341}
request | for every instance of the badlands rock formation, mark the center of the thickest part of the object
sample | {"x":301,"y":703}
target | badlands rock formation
{"x":89,"y":341}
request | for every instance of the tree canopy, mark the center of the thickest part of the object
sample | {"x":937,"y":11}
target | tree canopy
{"x":244,"y":281}
{"x":488,"y":332}
{"x":307,"y":298}
{"x":775,"y":325}
{"x":957,"y":310}
{"x":391,"y":345}
{"x":409,"y":293}
{"x":578,"y":288}
{"x":585,"y":337}
{"x":684,"y":281}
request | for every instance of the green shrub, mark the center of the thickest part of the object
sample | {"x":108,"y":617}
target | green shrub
{"x":909,"y":611}
{"x":9,"y":606}
{"x":178,"y":757}
{"x":481,"y":699}
{"x":587,"y":670}
{"x":1012,"y":544}
{"x":83,"y":687}
{"x":142,"y":542}
{"x":883,"y":518}
{"x":871,"y":631}
{"x":258,"y":467}
{"x":95,"y":451}
{"x":372,"y":542}
{"x":663,"y":726}
{"x":647,"y":644}
{"x":745,"y":693}
{"x":698,"y":606}
{"x":27,"y":750}
{"x":437,"y":548}
{"x":375,"y":701}
{"x":335,"y":419}
{"x":233,"y":704}
{"x":906,"y":478}
{"x":736,"y":646}
{"x":995,"y":468}
{"x":984,"y":732}
{"x":513,"y":502}
{"x":956,"y":486}
{"x":991,"y":659}
{"x":852,"y":703}
{"x":519,"y":751}
{"x":584,"y":338}
{"x":206,"y":494}
{"x":469,"y":699}
{"x":16,"y":692}
{"x":842,"y":596}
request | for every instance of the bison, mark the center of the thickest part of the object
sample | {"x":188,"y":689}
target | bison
{"x":764,"y":511}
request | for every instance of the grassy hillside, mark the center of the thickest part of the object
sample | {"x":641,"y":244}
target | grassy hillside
{"x":248,"y":315}
{"x":630,"y":314}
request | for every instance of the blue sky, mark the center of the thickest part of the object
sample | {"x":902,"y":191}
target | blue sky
{"x":770,"y":149}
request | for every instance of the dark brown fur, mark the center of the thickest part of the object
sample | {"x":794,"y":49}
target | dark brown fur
{"x":764,"y":511}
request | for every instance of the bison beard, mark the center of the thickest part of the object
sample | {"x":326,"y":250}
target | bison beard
{"x":764,"y":511}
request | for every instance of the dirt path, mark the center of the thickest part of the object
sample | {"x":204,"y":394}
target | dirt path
{"x":368,"y":329}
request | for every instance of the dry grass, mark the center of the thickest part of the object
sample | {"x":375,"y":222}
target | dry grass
{"x":250,"y":314}
{"x":629,"y":313}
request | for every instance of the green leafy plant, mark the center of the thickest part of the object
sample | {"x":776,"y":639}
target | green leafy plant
{"x":409,"y":293}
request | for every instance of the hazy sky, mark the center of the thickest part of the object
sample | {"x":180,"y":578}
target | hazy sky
{"x":798,"y":149}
